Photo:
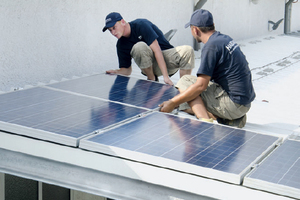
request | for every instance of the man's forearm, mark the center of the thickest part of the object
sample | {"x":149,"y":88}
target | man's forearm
{"x":191,"y":93}
{"x":161,"y":64}
{"x":161,"y":61}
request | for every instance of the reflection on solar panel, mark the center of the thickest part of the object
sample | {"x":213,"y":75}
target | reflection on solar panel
{"x":279,"y":172}
{"x":58,"y":116}
{"x":183,"y":144}
{"x":122,"y":89}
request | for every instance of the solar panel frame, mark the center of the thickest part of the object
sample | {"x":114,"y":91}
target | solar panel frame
{"x":273,"y":174}
{"x":117,"y":134}
{"x":59,"y":116}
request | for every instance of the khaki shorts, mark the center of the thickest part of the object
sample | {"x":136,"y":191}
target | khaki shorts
{"x":216,"y":100}
{"x":181,"y":57}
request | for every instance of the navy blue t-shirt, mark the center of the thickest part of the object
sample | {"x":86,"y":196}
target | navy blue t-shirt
{"x":141,"y":30}
{"x":223,"y":60}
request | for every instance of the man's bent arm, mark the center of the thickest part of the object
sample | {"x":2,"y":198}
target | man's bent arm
{"x":188,"y":95}
{"x":122,"y":71}
{"x":160,"y":61}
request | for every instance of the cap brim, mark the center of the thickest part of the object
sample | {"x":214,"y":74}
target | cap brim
{"x":109,"y":25}
{"x":104,"y":29}
{"x":187,"y":25}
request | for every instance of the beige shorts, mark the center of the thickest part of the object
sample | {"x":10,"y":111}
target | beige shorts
{"x":216,"y":100}
{"x":181,"y":57}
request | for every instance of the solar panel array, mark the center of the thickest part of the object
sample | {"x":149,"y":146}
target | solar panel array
{"x":279,"y":172}
{"x":117,"y":115}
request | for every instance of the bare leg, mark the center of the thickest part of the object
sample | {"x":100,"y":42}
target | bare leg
{"x":149,"y":73}
{"x":212,"y":116}
{"x":198,"y":108}
{"x":191,"y":112}
{"x":183,"y":72}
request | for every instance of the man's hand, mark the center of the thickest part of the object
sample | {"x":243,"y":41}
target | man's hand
{"x":112,"y":71}
{"x":167,"y":106}
{"x":168,"y":81}
{"x":122,"y":71}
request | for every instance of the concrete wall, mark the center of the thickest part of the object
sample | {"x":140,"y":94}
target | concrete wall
{"x":243,"y":19}
{"x":49,"y":40}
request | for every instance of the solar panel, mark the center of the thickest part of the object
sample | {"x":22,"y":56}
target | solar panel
{"x":58,"y":116}
{"x":129,"y":90}
{"x":183,"y":144}
{"x":279,"y":172}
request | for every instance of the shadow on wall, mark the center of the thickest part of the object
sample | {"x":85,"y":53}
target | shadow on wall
{"x":274,"y":25}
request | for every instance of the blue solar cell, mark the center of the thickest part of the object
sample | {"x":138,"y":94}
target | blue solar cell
{"x":59,"y":114}
{"x":123,"y":89}
{"x":185,"y":141}
{"x":280,"y":171}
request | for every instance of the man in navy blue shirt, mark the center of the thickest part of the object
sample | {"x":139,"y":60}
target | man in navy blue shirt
{"x":223,"y":87}
{"x":145,"y":43}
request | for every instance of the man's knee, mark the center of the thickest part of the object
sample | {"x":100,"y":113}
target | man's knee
{"x":187,"y":60}
{"x":139,"y":48}
{"x":186,"y":81}
{"x":189,"y":49}
{"x":142,"y":55}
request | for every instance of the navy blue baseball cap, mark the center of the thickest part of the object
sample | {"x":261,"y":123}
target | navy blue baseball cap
{"x":201,"y":18}
{"x":111,"y":19}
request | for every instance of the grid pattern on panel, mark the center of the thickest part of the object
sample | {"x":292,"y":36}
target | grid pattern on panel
{"x":282,"y":166}
{"x":129,"y":90}
{"x":188,"y":141}
{"x":61,"y":113}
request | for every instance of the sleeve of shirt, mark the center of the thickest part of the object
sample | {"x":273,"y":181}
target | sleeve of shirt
{"x":124,"y":56}
{"x":147,"y":32}
{"x":208,"y":62}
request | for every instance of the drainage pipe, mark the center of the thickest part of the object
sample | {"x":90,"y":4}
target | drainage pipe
{"x":287,"y":16}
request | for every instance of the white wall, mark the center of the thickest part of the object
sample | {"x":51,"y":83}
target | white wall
{"x":44,"y":40}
